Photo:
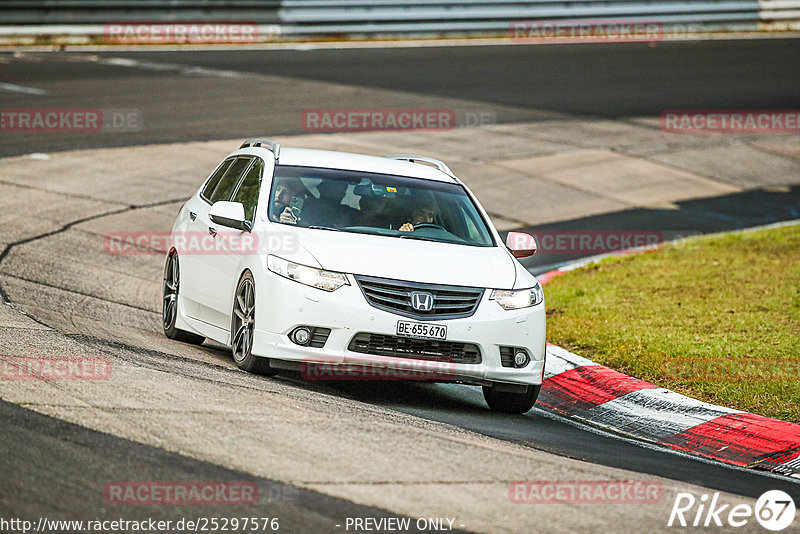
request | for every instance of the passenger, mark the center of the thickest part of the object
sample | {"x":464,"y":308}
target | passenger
{"x":374,"y":212}
{"x":424,"y":213}
{"x":328,"y":210}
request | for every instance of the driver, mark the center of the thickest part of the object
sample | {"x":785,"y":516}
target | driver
{"x":424,"y":213}
{"x":281,"y":203}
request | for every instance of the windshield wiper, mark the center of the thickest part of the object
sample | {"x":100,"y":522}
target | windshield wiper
{"x":318,"y":227}
{"x":420,"y":238}
{"x":448,"y":241}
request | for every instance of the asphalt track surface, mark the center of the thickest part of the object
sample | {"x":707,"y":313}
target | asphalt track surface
{"x":516,"y":83}
{"x":596,"y":80}
{"x":35,"y":488}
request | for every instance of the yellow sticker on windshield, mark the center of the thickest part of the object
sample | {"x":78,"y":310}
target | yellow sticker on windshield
{"x":391,"y":189}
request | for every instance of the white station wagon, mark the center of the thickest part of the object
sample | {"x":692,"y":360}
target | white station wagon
{"x":345,"y":266}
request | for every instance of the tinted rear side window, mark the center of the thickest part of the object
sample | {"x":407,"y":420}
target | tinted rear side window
{"x":249,"y":188}
{"x":227,"y":184}
{"x":213,"y":182}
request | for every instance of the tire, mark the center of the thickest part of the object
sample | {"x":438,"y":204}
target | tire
{"x":508,"y":402}
{"x":169,"y":303}
{"x":243,"y":320}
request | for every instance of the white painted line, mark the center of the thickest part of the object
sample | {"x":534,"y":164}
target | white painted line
{"x":792,"y":467}
{"x":560,"y":360}
{"x":654,"y":414}
{"x":590,"y":426}
{"x":118,"y":62}
{"x":10,"y":87}
{"x":183,"y":70}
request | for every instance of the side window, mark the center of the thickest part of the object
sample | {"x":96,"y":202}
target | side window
{"x":213,"y":182}
{"x":227,"y":184}
{"x":248,"y":190}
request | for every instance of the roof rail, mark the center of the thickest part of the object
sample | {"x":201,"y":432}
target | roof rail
{"x":413,"y":159}
{"x":269,"y":144}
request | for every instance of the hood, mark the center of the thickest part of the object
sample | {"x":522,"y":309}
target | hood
{"x":410,"y":259}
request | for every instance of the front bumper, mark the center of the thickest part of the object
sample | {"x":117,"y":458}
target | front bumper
{"x":283,"y":305}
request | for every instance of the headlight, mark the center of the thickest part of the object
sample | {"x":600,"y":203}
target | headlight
{"x":310,"y":276}
{"x":519,"y":298}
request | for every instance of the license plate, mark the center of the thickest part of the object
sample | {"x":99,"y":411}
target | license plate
{"x":421,"y":330}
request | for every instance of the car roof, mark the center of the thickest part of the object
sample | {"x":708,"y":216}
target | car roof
{"x":307,"y":157}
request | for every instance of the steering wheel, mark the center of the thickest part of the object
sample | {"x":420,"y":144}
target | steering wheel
{"x":428,"y":225}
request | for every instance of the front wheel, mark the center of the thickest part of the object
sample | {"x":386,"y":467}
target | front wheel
{"x":511,"y":402}
{"x":243,"y":325}
{"x":169,"y":304}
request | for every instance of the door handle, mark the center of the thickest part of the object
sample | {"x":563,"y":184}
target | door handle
{"x":212,"y":231}
{"x":192,"y":215}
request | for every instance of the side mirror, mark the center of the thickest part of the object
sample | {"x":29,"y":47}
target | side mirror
{"x":521,"y":244}
{"x":230,"y":214}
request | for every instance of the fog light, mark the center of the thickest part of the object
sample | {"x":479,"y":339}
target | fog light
{"x":520,"y":359}
{"x":301,"y":336}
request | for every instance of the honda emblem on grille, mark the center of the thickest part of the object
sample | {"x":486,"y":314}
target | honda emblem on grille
{"x":421,"y":301}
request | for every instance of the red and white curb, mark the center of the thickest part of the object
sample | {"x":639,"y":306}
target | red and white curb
{"x":581,"y":389}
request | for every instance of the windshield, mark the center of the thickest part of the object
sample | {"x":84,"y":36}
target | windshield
{"x":378,"y":204}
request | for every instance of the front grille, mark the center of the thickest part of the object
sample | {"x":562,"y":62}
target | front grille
{"x":415,"y":349}
{"x":449,"y":302}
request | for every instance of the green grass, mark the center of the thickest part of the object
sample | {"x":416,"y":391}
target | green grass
{"x":716,"y":318}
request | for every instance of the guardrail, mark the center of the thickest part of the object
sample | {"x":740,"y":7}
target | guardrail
{"x":348,"y":18}
{"x":86,"y":12}
{"x":357,"y":16}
